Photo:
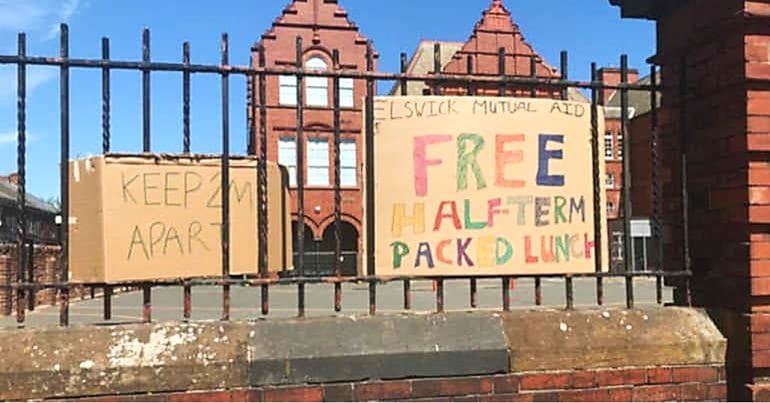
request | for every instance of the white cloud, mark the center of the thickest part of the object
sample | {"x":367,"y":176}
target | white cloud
{"x":67,"y":10}
{"x":35,"y":78}
{"x":39,"y":19}
{"x":8,"y":139}
{"x":36,"y":16}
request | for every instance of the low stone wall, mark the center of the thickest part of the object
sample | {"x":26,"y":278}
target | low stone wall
{"x":655,"y":354}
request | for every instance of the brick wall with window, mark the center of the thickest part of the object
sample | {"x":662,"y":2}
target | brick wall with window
{"x":324,"y":26}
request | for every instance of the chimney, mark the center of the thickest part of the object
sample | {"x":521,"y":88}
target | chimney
{"x":611,"y":76}
{"x":13,"y":178}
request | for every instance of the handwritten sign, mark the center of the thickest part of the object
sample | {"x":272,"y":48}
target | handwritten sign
{"x":142,"y":218}
{"x":467,"y":185}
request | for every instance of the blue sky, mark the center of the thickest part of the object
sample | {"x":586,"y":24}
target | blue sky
{"x":590,"y":30}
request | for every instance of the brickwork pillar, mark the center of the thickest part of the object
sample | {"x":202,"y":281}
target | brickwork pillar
{"x":7,"y":275}
{"x":715,"y":72}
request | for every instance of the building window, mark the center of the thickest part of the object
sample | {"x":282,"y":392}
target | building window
{"x":318,"y":162}
{"x":287,"y":94}
{"x":317,"y":88}
{"x":348,"y":160}
{"x":617,"y":246}
{"x":620,"y":146}
{"x":346,"y":93}
{"x":287,"y":156}
{"x":609,"y":152}
{"x":610,"y":208}
{"x":610,"y":181}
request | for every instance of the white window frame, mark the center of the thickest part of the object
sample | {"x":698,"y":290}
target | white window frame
{"x":609,"y":146}
{"x":348,"y":167}
{"x":620,"y":146}
{"x":347,"y":93}
{"x":287,"y":90}
{"x":610,"y":180}
{"x":317,"y":162}
{"x":316,"y":88}
{"x":287,"y":156}
{"x":617,"y":246}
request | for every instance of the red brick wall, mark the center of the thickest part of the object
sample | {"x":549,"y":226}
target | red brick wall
{"x":643,"y":191}
{"x":617,"y":384}
{"x":726,"y":115}
{"x":324,"y":26}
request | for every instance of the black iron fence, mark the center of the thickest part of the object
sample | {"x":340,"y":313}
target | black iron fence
{"x":257,"y":77}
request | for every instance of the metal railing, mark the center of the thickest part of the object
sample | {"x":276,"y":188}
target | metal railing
{"x":256,"y":75}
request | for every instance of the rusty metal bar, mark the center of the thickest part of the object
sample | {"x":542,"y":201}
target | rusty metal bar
{"x":186,"y":99}
{"x":262,"y":196}
{"x":407,"y":295}
{"x":225,"y":177}
{"x":369,"y":156}
{"x":107,"y":309}
{"x":506,"y":294}
{"x":64,"y":126}
{"x":187,"y":301}
{"x":533,"y":75}
{"x":538,"y":291}
{"x":372,"y":297}
{"x":254,"y":282}
{"x":474,"y":294}
{"x":564,"y":67}
{"x":469,"y":69}
{"x":337,"y":297}
{"x":146,"y":111}
{"x":146,"y":303}
{"x":659,"y":289}
{"x":569,"y":292}
{"x":628,"y":247}
{"x":251,"y":115}
{"x":105,"y":97}
{"x":440,"y":295}
{"x":21,"y":170}
{"x":403,"y":83}
{"x":437,"y":68}
{"x":404,"y":92}
{"x":274,"y":71}
{"x":501,"y":70}
{"x":337,"y":179}
{"x":300,"y":163}
{"x":600,"y":291}
{"x":597,"y":178}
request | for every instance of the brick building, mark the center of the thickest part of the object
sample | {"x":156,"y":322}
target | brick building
{"x":41,"y":216}
{"x":324,"y":27}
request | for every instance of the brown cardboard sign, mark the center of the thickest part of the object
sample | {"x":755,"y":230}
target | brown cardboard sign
{"x":148,"y":217}
{"x":485,"y":186}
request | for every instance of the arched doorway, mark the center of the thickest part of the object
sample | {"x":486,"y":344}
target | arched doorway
{"x":348,"y":247}
{"x":319,"y":254}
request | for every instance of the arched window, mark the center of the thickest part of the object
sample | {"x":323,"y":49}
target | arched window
{"x":317,"y":88}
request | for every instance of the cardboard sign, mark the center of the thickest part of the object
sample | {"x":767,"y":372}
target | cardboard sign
{"x":484,"y":186}
{"x":159,"y":217}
